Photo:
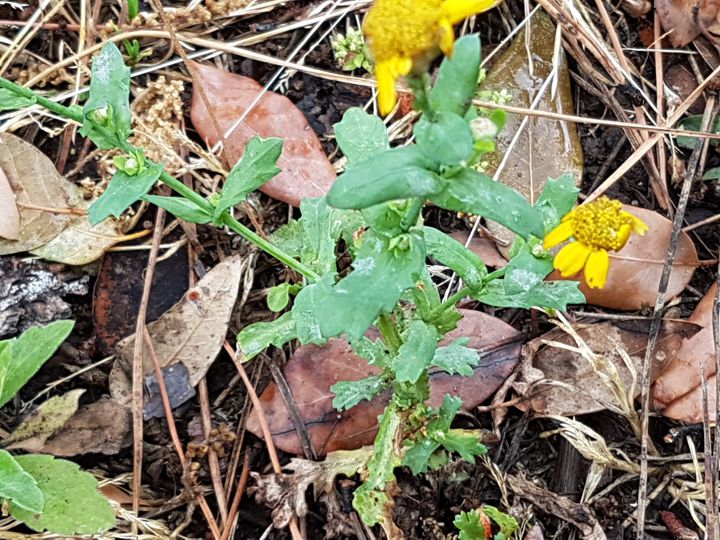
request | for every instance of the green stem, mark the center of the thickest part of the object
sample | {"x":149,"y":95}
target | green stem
{"x":450,"y":302}
{"x":68,"y":112}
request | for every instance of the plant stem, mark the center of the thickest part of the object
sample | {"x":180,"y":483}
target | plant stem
{"x":450,"y":302}
{"x":68,"y":112}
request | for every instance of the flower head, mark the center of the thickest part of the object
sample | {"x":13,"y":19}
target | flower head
{"x":406,"y":34}
{"x":597,"y":227}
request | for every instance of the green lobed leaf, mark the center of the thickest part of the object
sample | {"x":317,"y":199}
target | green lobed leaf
{"x":22,"y":357}
{"x":17,"y":486}
{"x":109,"y":92}
{"x":73,"y":504}
{"x":546,"y":294}
{"x":470,"y":526}
{"x":557,"y":199}
{"x":380,"y":275}
{"x":256,"y":337}
{"x":10,"y":101}
{"x":476,"y":193}
{"x":446,"y":138}
{"x":374,"y":352}
{"x":289,"y":237}
{"x":457,"y":78}
{"x":457,"y":358}
{"x":525,"y":271}
{"x":507,"y":523}
{"x":392,"y":218}
{"x":256,"y":166}
{"x":466,"y":444}
{"x":360,"y":135}
{"x":350,"y":393}
{"x":416,"y":352}
{"x":418,"y":456}
{"x":122,"y":191}
{"x":398,"y":173}
{"x":180,"y":208}
{"x":454,"y":255}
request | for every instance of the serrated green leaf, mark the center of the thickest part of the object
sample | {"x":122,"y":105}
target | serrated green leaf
{"x":10,"y":101}
{"x":360,"y":135}
{"x":17,"y":486}
{"x":446,"y":138}
{"x":557,"y":199}
{"x":454,"y":255}
{"x":350,"y":393}
{"x":289,"y":238}
{"x":470,"y":526}
{"x":122,"y":191}
{"x":109,"y":92}
{"x":476,"y":193}
{"x":23,"y":356}
{"x":525,"y":271}
{"x":416,"y":352}
{"x":374,"y":352}
{"x":380,"y":276}
{"x":398,"y":173}
{"x":418,"y":456}
{"x":507,"y":523}
{"x":256,"y":337}
{"x":73,"y":504}
{"x":457,"y":79}
{"x":180,"y":208}
{"x":466,"y":444}
{"x":457,"y":358}
{"x":256,"y":166}
{"x":546,"y":294}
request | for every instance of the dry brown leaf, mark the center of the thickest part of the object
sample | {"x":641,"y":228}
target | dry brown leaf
{"x":635,"y":270}
{"x":34,"y":181}
{"x":312,"y":370}
{"x":546,"y":148}
{"x":684,"y":20}
{"x":305,"y":169}
{"x":483,"y":248}
{"x":192,"y":331}
{"x":677,"y":392}
{"x":9,"y":214}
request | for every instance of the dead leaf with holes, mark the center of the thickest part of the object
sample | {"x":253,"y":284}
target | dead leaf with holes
{"x":677,"y":392}
{"x":635,"y":270}
{"x":312,"y":370}
{"x":546,"y":148}
{"x":191,"y":332}
{"x":684,"y":20}
{"x":305,"y":169}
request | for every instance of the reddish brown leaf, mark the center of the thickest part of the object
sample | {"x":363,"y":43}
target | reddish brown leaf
{"x":306,"y":171}
{"x":635,"y":270}
{"x":312,"y":370}
{"x":686,"y":19}
{"x":677,"y":393}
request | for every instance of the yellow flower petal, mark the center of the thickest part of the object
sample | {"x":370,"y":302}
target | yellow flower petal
{"x":571,"y":259}
{"x":457,"y":10}
{"x":639,"y":226}
{"x":596,"y":269}
{"x":403,"y":66}
{"x":624,"y":234}
{"x":558,"y":235}
{"x":386,"y":77}
{"x":447,"y":41}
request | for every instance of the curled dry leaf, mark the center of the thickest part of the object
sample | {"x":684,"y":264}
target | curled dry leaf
{"x":9,"y":214}
{"x":635,"y":270}
{"x":305,"y":169}
{"x":684,"y":20}
{"x":192,"y":332}
{"x":677,"y":392}
{"x":546,"y":148}
{"x":312,"y":370}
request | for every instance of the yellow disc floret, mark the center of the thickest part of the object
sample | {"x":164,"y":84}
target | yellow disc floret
{"x":405,"y":35}
{"x":597,"y":227}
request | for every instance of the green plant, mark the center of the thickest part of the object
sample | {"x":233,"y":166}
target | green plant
{"x":132,"y":49}
{"x":43,"y":492}
{"x":350,"y":51}
{"x":133,"y":8}
{"x":374,"y":212}
{"x":475,"y":525}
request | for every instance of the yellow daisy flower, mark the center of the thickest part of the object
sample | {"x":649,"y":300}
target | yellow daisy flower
{"x":597,"y":227}
{"x":406,"y":34}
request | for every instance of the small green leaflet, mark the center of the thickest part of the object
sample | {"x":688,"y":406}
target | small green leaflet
{"x":418,"y":456}
{"x":525,"y":271}
{"x":180,"y":208}
{"x":557,"y":199}
{"x":17,"y":486}
{"x":73,"y":504}
{"x":22,"y":357}
{"x":279,"y":296}
{"x":470,"y":526}
{"x":10,"y":101}
{"x":350,"y":393}
{"x":694,"y":123}
{"x":256,"y":337}
{"x":109,"y":101}
{"x":392,"y":218}
{"x":416,"y":352}
{"x":374,"y":352}
{"x":446,"y":138}
{"x":289,"y":237}
{"x":507,"y":523}
{"x":123,"y":191}
{"x":456,"y":82}
{"x":546,"y":294}
{"x":360,"y":135}
{"x":712,"y":174}
{"x":256,"y":166}
{"x":457,"y":358}
{"x":454,"y":255}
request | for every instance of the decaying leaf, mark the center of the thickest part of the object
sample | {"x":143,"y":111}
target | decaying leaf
{"x":191,"y":332}
{"x":9,"y":214}
{"x":677,"y":392}
{"x":684,"y":20}
{"x":34,"y":181}
{"x":635,"y":270}
{"x":306,"y":171}
{"x":546,"y":148}
{"x":312,"y":370}
{"x":103,"y":427}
